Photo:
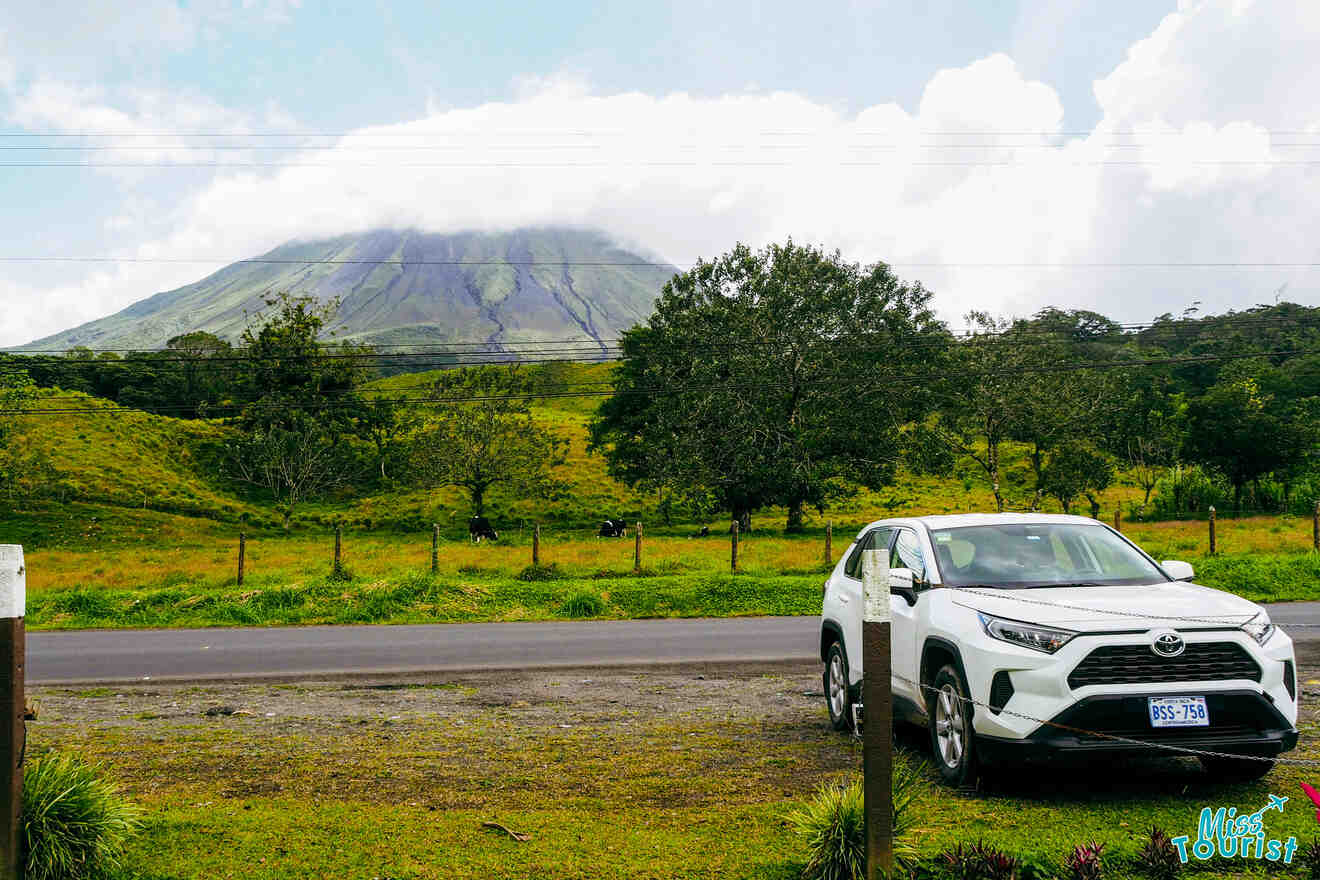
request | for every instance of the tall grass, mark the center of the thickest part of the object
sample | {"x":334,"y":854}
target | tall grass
{"x":834,"y":823}
{"x":75,"y":822}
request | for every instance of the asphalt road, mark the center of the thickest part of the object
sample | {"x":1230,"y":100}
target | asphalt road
{"x":330,"y":651}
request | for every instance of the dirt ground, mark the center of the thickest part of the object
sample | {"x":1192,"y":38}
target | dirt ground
{"x":670,"y":736}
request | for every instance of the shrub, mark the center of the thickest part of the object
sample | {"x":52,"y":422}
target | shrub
{"x":582,"y":604}
{"x":979,"y":862}
{"x":834,"y":824}
{"x":1083,"y":863}
{"x":540,"y":573}
{"x":1311,"y":860}
{"x":75,"y":823}
{"x":1158,"y":858}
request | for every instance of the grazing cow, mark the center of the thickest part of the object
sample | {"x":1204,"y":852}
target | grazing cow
{"x":479,"y":527}
{"x":612,"y":528}
{"x":704,"y":533}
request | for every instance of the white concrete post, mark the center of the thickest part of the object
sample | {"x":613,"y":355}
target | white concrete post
{"x":878,"y":725}
{"x":13,"y":605}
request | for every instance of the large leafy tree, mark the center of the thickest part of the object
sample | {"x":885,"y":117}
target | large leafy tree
{"x":1245,"y":434}
{"x":483,"y":435}
{"x":770,"y":377}
{"x":299,"y":404}
{"x":288,"y":371}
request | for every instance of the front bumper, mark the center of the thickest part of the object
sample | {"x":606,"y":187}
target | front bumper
{"x":1242,"y":722}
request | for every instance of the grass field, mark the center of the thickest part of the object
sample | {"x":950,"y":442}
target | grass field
{"x":613,"y":774}
{"x":178,"y":571}
{"x":140,"y":532}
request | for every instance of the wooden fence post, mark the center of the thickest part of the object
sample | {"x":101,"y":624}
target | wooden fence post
{"x":829,"y":540}
{"x":1118,"y":519}
{"x":536,"y":544}
{"x":242,"y":556}
{"x":637,"y":549}
{"x":435,"y":548}
{"x":1315,"y":528}
{"x":13,"y":736}
{"x":1213,"y":545}
{"x":339,"y":538}
{"x":733,"y":547}
{"x":878,"y":721}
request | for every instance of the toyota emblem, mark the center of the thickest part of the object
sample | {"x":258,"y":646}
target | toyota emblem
{"x":1168,"y":644}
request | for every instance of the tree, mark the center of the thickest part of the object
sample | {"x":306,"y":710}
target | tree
{"x":770,"y":377}
{"x":485,"y":436}
{"x":200,"y":379}
{"x":287,"y":371}
{"x":384,"y":422}
{"x":293,"y":461}
{"x":1244,"y":434}
{"x":1074,"y":468}
{"x":300,"y":404}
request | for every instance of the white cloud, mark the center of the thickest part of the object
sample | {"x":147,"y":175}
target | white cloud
{"x":688,"y":176}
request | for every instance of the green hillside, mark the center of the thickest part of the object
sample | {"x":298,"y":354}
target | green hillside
{"x":404,"y":286}
{"x":129,"y":464}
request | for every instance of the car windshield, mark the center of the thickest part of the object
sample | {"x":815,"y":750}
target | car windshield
{"x":1039,"y":555}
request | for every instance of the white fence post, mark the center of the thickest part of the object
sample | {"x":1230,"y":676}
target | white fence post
{"x":13,"y":738}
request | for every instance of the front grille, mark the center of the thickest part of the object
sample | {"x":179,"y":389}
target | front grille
{"x":1136,"y":664}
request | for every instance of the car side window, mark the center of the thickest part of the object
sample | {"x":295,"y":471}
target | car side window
{"x":907,"y":554}
{"x":872,"y":540}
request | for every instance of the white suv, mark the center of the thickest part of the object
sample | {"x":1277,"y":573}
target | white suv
{"x":1002,"y":622}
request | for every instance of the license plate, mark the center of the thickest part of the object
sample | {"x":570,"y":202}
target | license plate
{"x":1178,"y":712}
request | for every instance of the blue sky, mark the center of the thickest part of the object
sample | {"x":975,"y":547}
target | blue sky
{"x":289,"y":67}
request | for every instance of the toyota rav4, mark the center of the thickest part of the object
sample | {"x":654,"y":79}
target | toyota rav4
{"x":1017,"y":636}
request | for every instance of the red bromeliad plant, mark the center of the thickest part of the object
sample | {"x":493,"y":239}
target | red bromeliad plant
{"x":1083,"y":863}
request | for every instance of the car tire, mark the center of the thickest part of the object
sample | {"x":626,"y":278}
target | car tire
{"x":1230,"y":770}
{"x":838,"y":695}
{"x":951,"y":727}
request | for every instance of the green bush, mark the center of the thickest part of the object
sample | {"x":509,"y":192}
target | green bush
{"x":75,"y":823}
{"x":534,"y":573}
{"x":834,"y":824}
{"x":582,"y":604}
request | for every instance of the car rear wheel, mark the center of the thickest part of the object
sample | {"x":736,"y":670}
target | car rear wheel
{"x":838,"y":699}
{"x":951,"y":727}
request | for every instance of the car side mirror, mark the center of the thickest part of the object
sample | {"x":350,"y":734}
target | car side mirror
{"x":902,"y":582}
{"x":1179,"y":571}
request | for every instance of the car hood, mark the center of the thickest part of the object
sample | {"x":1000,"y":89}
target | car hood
{"x":1177,"y":605}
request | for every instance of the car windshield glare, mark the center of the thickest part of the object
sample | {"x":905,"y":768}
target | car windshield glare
{"x":1039,"y":555}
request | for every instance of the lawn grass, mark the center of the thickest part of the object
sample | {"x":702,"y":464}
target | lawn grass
{"x":175,"y":572}
{"x":603,"y":790}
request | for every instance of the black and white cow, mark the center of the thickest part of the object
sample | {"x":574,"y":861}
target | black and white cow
{"x":612,"y":528}
{"x":479,"y":527}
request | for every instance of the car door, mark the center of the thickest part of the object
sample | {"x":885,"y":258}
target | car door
{"x":850,"y":596}
{"x":906,"y":553}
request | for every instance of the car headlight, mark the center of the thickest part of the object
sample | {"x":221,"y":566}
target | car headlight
{"x":1259,"y":628}
{"x":1039,"y":638}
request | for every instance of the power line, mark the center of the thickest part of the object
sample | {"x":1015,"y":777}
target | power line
{"x":929,"y":264}
{"x":592,"y":132}
{"x":715,"y":163}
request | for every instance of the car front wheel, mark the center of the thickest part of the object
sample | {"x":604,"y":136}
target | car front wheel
{"x":837,"y":697}
{"x":951,"y":727}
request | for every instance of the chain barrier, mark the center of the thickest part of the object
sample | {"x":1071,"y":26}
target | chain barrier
{"x":1184,"y":750}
